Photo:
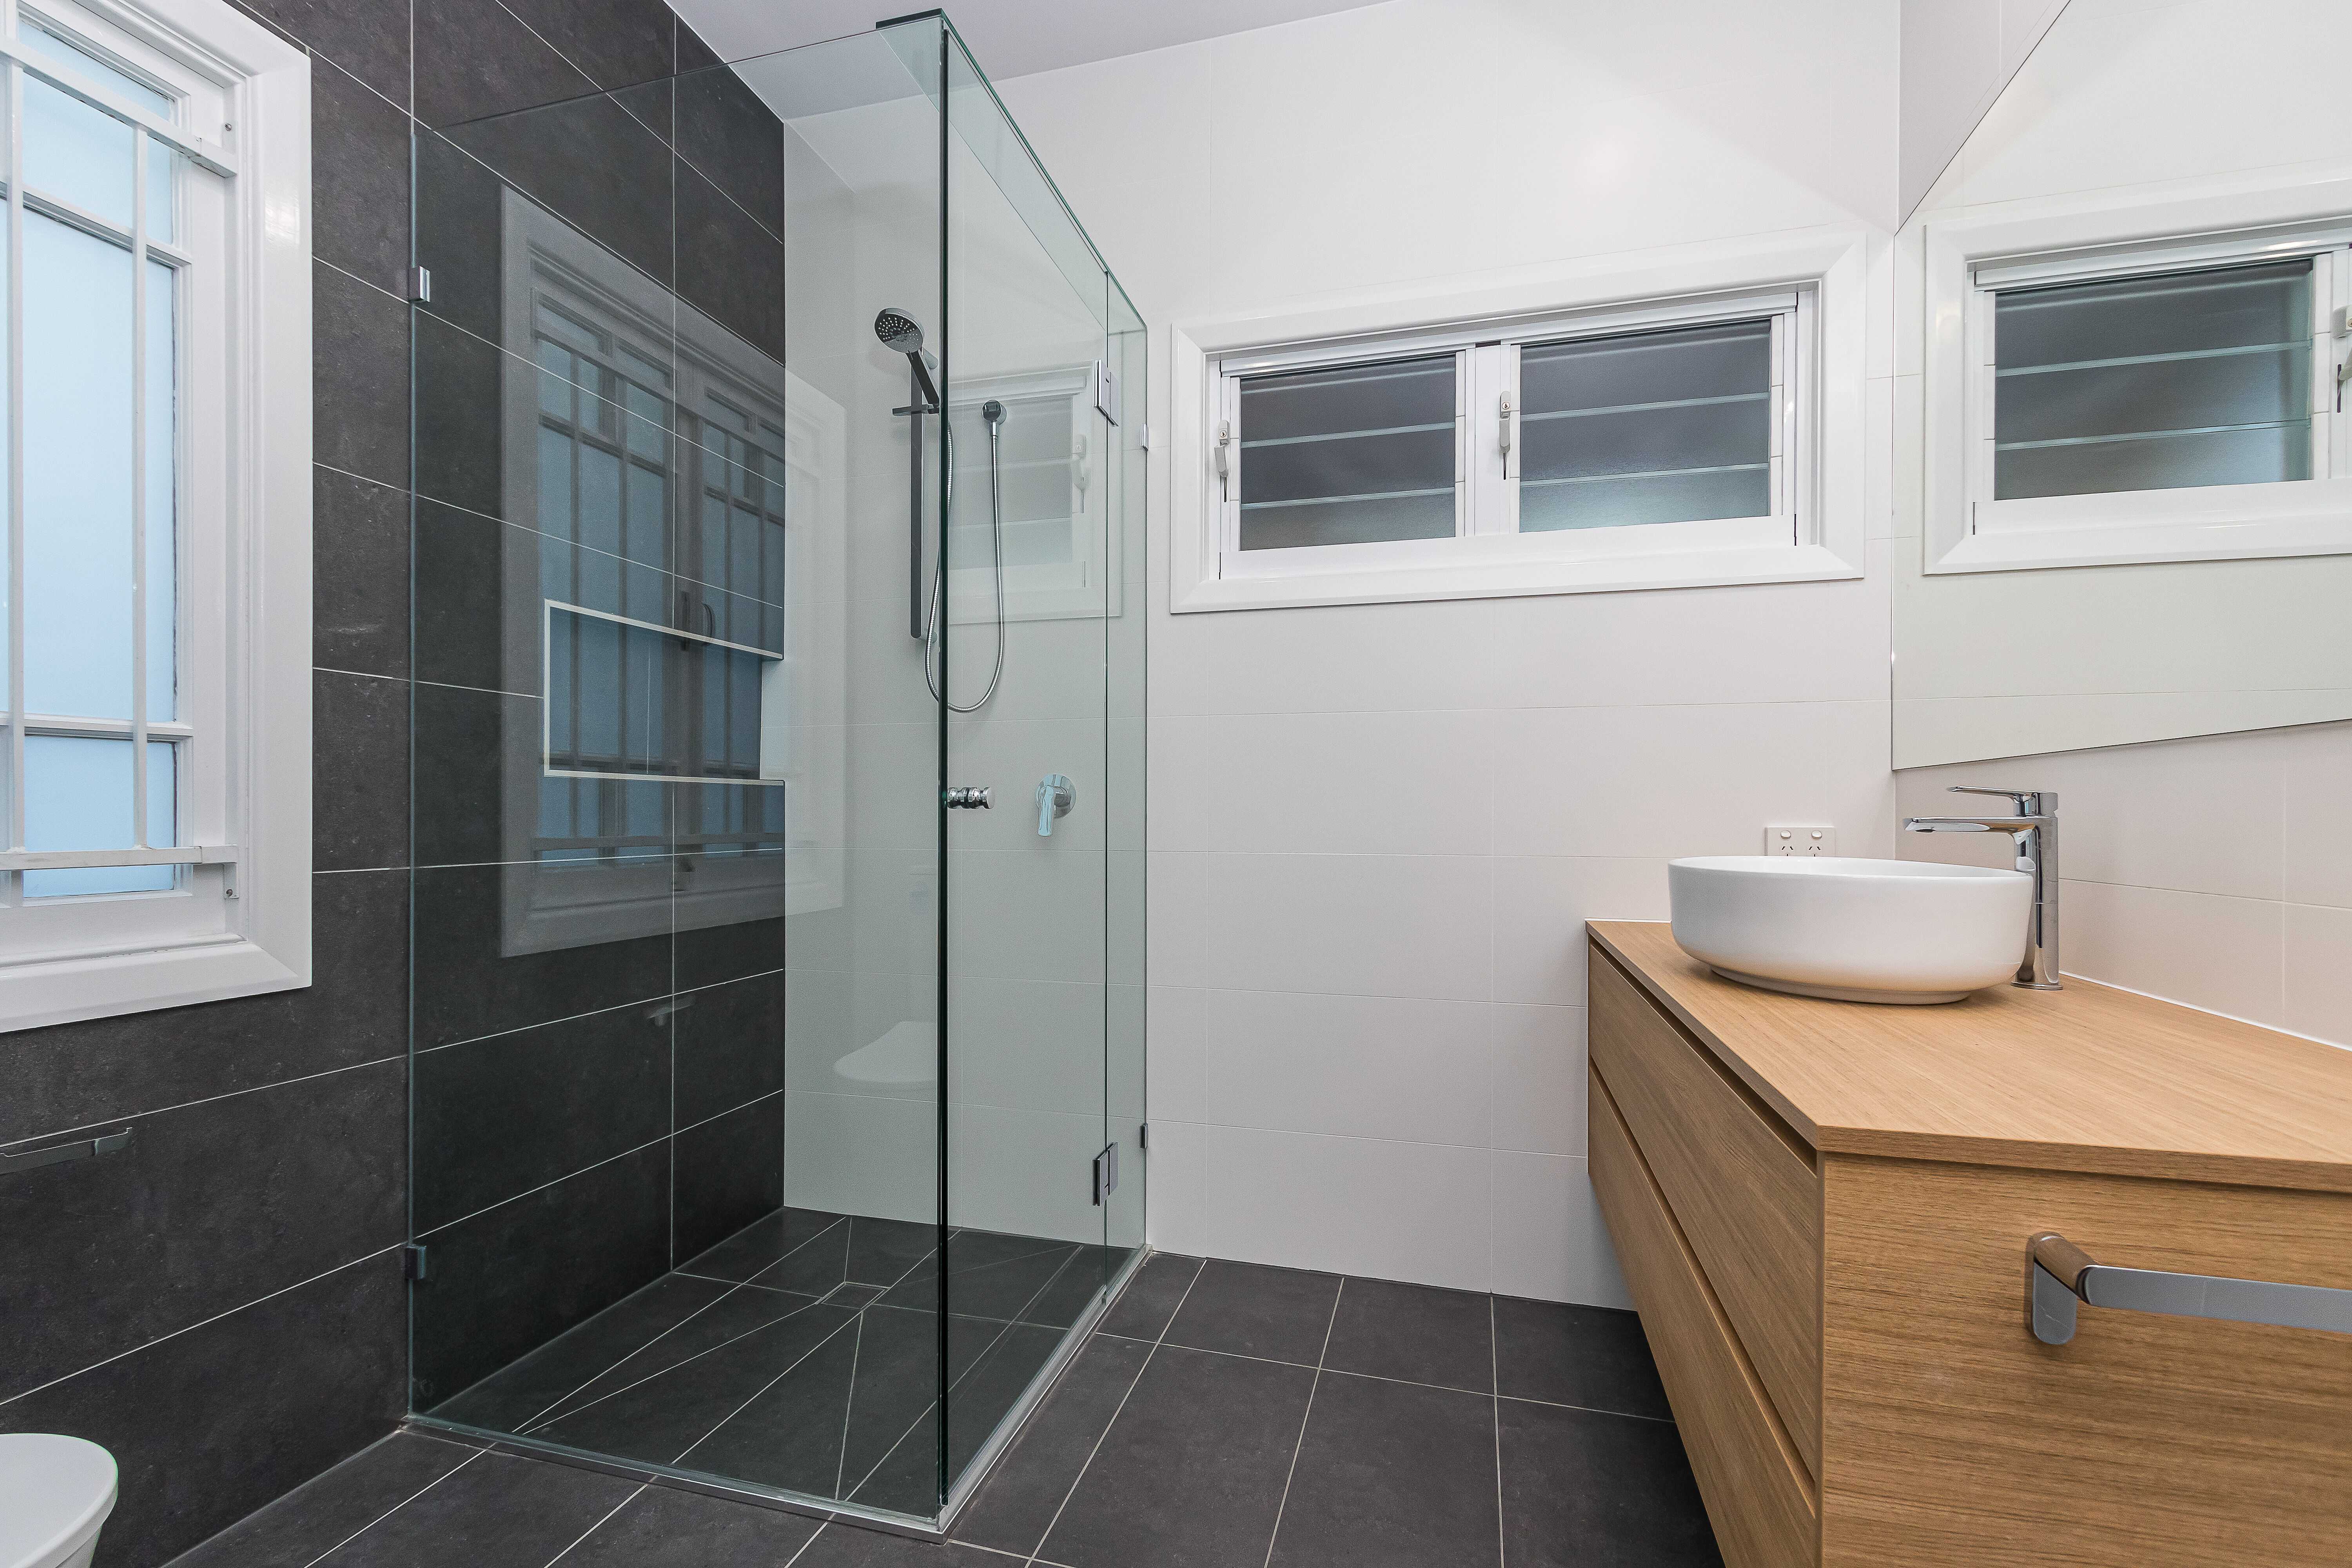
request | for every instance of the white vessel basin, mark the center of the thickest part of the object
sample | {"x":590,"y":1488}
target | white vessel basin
{"x":1856,"y":931}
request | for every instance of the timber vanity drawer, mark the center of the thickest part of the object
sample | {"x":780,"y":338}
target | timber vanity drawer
{"x":1823,"y":1211}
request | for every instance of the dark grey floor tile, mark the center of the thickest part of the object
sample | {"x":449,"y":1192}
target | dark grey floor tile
{"x":509,"y":1399}
{"x":303,"y":1525}
{"x":750,"y":1252}
{"x":660,"y":1417}
{"x":988,"y":1274}
{"x":499,"y":1512}
{"x":1590,"y":1356}
{"x":1414,"y":1333}
{"x":984,"y":1394}
{"x":1078,"y":1286}
{"x":1247,"y":1308}
{"x":1581,"y":1487}
{"x":740,"y":1312}
{"x":663,"y":1527}
{"x":1151,"y":1299}
{"x":848,"y":1546}
{"x":884,"y":1251}
{"x":1192,"y":1470}
{"x":897,"y":1383}
{"x":788,"y":1433}
{"x":1019,"y":1500}
{"x":1391,"y":1475}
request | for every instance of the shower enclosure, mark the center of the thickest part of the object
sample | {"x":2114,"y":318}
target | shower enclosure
{"x":777,"y":768}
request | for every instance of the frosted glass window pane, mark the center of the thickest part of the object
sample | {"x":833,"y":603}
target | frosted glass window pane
{"x":77,"y":566}
{"x":163,"y":497}
{"x":1646,"y":427}
{"x":2155,"y":382}
{"x":1349,"y":455}
{"x":77,"y":795}
{"x":76,"y":153}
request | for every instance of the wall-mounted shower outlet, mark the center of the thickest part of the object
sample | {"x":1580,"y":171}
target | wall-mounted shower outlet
{"x":1807,"y":840}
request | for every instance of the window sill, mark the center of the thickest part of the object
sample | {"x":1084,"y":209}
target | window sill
{"x":2219,"y":522}
{"x":37,"y":992}
{"x":1516,"y":579}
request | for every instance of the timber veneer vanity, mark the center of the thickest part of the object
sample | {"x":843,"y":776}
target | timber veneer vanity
{"x":1824,"y":1208}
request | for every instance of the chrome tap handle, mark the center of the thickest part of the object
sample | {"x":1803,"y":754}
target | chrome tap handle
{"x":2027,"y":802}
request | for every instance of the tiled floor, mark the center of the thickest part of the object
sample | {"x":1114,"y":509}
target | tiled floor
{"x":802,"y":1353}
{"x":1222,"y":1415}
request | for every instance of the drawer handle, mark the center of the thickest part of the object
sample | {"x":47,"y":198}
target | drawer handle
{"x":2059,"y":1275}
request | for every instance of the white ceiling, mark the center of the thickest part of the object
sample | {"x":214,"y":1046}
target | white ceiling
{"x":1008,"y":37}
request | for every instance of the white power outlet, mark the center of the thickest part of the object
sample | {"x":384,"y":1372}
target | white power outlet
{"x":1809,"y":840}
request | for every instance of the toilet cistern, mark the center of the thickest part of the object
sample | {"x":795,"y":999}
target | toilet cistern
{"x":2035,"y":829}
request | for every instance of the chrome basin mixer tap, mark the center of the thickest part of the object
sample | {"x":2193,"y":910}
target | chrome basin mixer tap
{"x":2034,"y":827}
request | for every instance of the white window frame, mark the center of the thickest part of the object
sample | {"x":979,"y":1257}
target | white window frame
{"x":548,"y":906}
{"x":2122,"y":234}
{"x":238,"y":922}
{"x":1815,"y":283}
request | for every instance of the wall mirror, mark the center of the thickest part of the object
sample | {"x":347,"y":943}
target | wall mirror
{"x":2122,"y":465}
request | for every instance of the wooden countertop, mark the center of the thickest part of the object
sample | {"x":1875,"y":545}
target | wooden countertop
{"x":2087,"y":1078}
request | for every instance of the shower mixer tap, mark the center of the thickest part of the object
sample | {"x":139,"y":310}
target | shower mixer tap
{"x":1055,"y":796}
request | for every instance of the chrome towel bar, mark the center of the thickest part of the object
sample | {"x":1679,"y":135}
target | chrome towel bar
{"x":58,"y":1154}
{"x":2059,"y":1275}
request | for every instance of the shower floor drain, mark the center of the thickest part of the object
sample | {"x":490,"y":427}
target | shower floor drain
{"x":852,"y":1296}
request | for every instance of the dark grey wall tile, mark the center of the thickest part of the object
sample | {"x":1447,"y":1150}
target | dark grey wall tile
{"x":307,"y":1523}
{"x":460,"y":556}
{"x":208,"y":1207}
{"x":708,"y":955}
{"x":354,"y":1010}
{"x":368,"y":38}
{"x":625,"y":1342}
{"x":358,"y":351}
{"x":475,"y":57}
{"x":507,"y":1280}
{"x":460,"y":383}
{"x":617,"y":42}
{"x":504,"y":1115}
{"x":730,"y":1046}
{"x":467,"y":986}
{"x":458,"y":227}
{"x":461,"y":753}
{"x":359,"y":177}
{"x":735,"y":142}
{"x":693,"y":54}
{"x":593,"y":163}
{"x":728,"y":267}
{"x":359,"y":564}
{"x":359,"y":773}
{"x":209,"y":1425}
{"x":730,"y":1171}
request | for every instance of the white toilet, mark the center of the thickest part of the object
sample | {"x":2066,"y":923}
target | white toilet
{"x":54,"y":1494}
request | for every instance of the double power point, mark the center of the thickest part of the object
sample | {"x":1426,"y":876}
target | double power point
{"x":1804,"y":840}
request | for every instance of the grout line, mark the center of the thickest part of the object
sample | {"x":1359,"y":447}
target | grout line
{"x":363,"y":479}
{"x":849,"y":1409}
{"x":1038,"y":1556}
{"x":359,"y":674}
{"x":188,"y":1104}
{"x":756,"y":1392}
{"x":517,"y":1198}
{"x":568,"y":1017}
{"x":1406,"y":1381}
{"x":458,"y":686}
{"x":1494,"y":1385}
{"x":395,"y":1507}
{"x":599,"y":1524}
{"x":1295,"y":1448}
{"x":373,"y":288}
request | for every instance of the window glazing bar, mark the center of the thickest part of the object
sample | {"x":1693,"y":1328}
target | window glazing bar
{"x":2149,"y":435}
{"x":209,"y":154}
{"x":91,"y":224}
{"x":2182,"y":355}
{"x":1647,"y":408}
{"x":1647,"y":474}
{"x":1345,"y":435}
{"x":1335,"y":501}
{"x":139,"y":487}
{"x":15,"y":391}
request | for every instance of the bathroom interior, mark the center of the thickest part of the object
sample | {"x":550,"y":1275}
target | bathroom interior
{"x":1124,"y":787}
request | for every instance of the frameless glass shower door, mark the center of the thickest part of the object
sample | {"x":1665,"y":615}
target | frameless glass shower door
{"x":777,"y":760}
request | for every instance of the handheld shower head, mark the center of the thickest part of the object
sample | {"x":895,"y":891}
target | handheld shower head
{"x":900,"y":334}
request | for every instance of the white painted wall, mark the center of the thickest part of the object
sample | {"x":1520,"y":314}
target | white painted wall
{"x":1376,"y":831}
{"x":2215,"y":871}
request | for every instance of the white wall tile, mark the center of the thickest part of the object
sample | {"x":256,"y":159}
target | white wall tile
{"x":1176,"y":1052}
{"x":2220,"y":955}
{"x":1550,"y":1243}
{"x":1176,"y":893}
{"x":1340,"y":784}
{"x":2319,"y":977}
{"x":2316,"y":828}
{"x":862,"y":1154}
{"x":1540,"y":1080}
{"x":1541,"y":906}
{"x":1364,"y":925}
{"x":1361,"y":1066}
{"x":1413,"y":1212}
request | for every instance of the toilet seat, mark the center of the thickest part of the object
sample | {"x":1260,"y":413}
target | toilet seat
{"x":55,"y":1492}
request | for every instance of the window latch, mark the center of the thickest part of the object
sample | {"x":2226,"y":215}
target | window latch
{"x":1225,"y":464}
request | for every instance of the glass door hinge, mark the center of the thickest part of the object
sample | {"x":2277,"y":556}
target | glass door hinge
{"x":1105,"y":1172}
{"x":420,"y":286}
{"x":414,"y":1264}
{"x":1143,"y":1134}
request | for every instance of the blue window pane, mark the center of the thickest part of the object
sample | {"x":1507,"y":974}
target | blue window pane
{"x":77,"y":795}
{"x":78,"y":565}
{"x":76,"y":154}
